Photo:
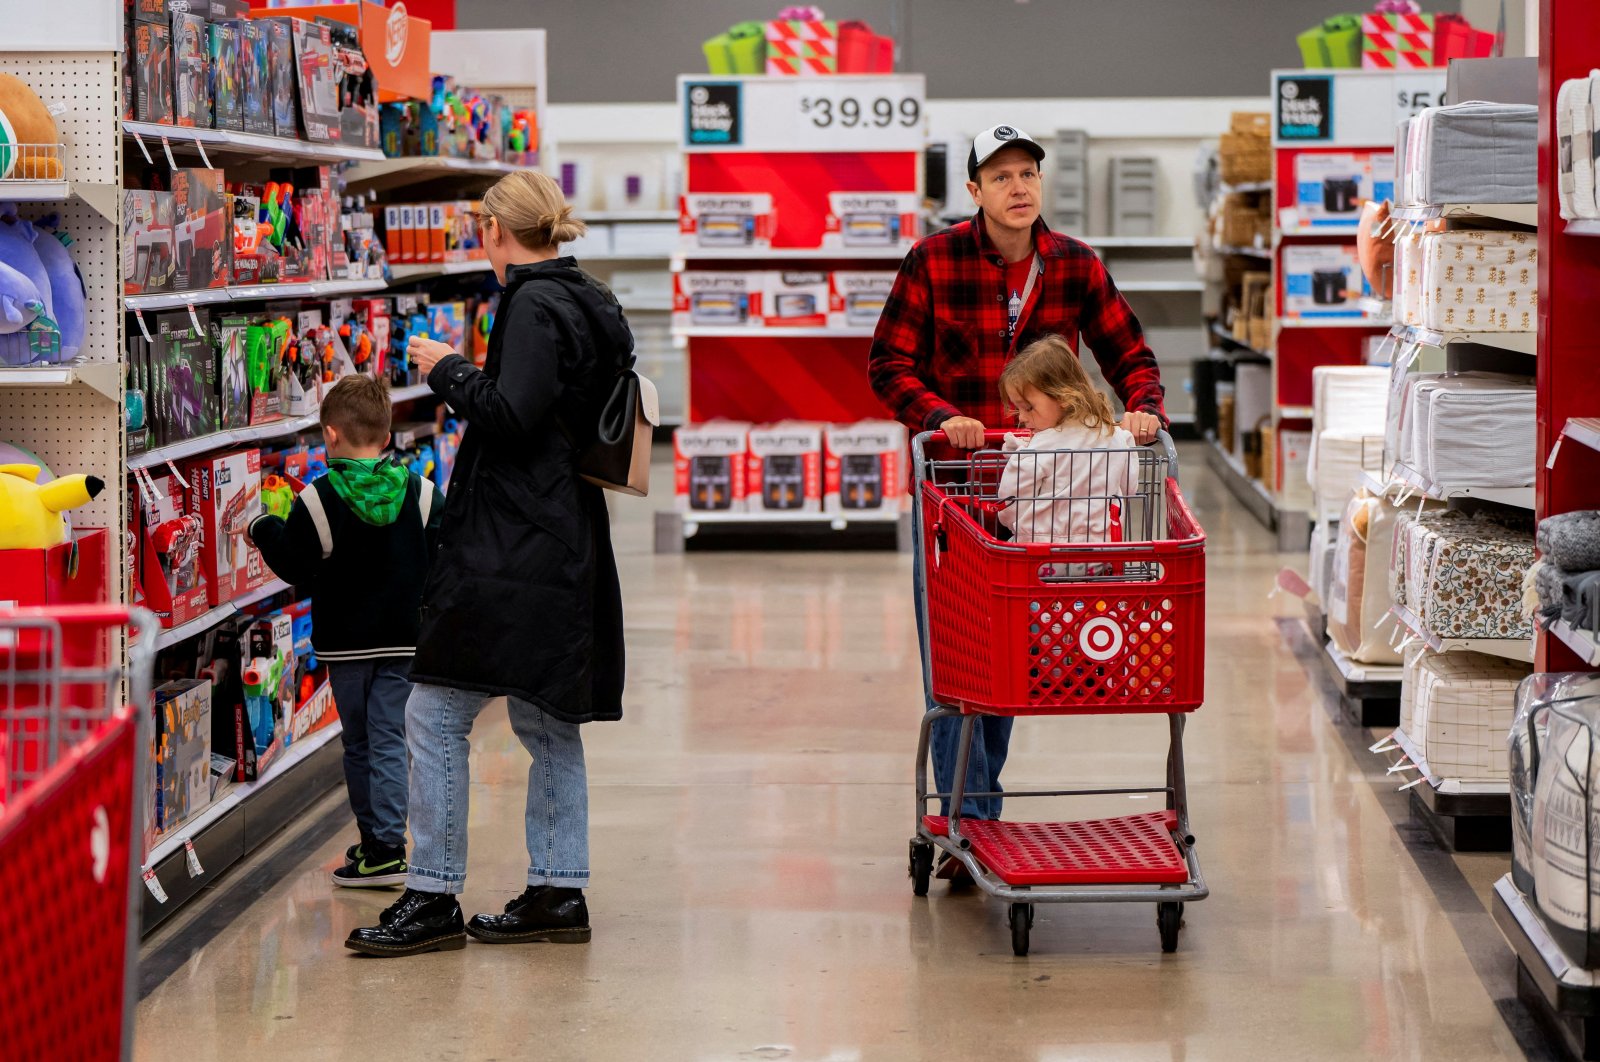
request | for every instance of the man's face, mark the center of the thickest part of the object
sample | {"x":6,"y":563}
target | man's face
{"x":1008,"y":189}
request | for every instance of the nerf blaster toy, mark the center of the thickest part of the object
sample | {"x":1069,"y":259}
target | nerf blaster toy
{"x":277,"y":496}
{"x":261,"y":679}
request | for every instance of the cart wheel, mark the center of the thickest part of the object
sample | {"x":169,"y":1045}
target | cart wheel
{"x":1169,"y":918}
{"x":921,"y":867}
{"x":1021,"y":919}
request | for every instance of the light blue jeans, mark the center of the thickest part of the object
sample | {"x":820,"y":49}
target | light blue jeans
{"x":438,"y":720}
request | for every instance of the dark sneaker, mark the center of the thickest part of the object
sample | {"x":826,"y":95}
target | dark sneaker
{"x":413,"y":924}
{"x":955,"y":872}
{"x":376,"y":867}
{"x":353,"y":853}
{"x":541,"y":915}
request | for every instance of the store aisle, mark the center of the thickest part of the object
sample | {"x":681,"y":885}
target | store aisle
{"x":750,"y":820}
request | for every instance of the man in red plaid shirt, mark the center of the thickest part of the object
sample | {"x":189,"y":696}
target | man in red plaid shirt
{"x":970,"y":297}
{"x":966,"y":300}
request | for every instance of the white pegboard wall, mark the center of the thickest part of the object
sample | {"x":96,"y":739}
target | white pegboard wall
{"x":74,"y":430}
{"x":84,"y":89}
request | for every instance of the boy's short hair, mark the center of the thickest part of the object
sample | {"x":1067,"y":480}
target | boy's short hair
{"x":358,"y":406}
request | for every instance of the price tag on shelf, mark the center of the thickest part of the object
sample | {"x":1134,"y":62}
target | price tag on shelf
{"x":166,"y":145}
{"x":153,"y":883}
{"x":882,"y":113}
{"x":191,"y":859}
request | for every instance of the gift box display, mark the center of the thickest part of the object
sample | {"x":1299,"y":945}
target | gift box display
{"x":1336,"y":44}
{"x":802,"y":46}
{"x":800,"y":41}
{"x":1397,"y":41}
{"x":741,"y":50}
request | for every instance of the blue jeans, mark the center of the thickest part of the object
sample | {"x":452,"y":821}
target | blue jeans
{"x":371,"y":699}
{"x":439,"y":719}
{"x":991,"y":735}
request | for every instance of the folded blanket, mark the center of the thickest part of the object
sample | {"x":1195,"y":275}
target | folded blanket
{"x":1474,"y":153}
{"x":1571,"y":541}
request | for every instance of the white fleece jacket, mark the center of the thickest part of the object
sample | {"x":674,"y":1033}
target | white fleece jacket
{"x":1061,"y":481}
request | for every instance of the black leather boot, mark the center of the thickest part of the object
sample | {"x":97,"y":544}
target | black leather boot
{"x":417,"y":922}
{"x":542,"y":914}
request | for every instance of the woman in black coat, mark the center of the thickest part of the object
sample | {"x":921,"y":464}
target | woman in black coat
{"x":522,"y":600}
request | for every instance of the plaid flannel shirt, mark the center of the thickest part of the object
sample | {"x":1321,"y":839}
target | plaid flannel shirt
{"x":941,"y":342}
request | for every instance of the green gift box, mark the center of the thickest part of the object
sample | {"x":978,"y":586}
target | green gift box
{"x":1335,"y":44}
{"x":741,"y":50}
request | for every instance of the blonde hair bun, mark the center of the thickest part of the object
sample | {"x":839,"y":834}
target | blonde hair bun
{"x":531,"y":207}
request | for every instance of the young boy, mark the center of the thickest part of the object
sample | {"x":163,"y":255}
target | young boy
{"x":360,"y":539}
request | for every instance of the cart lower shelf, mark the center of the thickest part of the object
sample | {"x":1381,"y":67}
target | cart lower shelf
{"x":1130,"y":850}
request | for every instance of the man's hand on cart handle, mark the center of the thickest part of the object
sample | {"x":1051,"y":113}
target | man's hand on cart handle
{"x":1143,"y":426}
{"x":964,"y":433}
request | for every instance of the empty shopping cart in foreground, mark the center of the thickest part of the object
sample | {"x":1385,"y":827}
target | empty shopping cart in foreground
{"x":1110,"y":625}
{"x":73,"y":749}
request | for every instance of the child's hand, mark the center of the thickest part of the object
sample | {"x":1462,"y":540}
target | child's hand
{"x":425,"y":353}
{"x":1142,"y":426}
{"x":1012,"y":443}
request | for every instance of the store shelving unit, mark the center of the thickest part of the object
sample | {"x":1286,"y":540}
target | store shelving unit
{"x":1518,"y":649}
{"x":1517,"y":342}
{"x":1464,"y":816}
{"x":103,"y":378}
{"x":222,"y":145}
{"x":1515,"y":213}
{"x":1404,"y":482}
{"x":814,"y":373}
{"x":311,"y":289}
{"x":1369,"y":694}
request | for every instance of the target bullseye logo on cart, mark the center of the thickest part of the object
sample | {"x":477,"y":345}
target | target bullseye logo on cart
{"x":1100,"y":638}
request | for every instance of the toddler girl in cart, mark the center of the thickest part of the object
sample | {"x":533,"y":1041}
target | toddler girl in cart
{"x":1068,"y":481}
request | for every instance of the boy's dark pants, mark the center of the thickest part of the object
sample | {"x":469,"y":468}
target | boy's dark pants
{"x":371,"y":696}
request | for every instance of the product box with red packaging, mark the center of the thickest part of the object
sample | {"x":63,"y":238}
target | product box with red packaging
{"x":886,"y":220}
{"x":795,"y":299}
{"x":147,"y":262}
{"x":317,"y":76}
{"x":727,"y":221}
{"x":202,"y":229}
{"x":170,"y":572}
{"x":191,"y":70}
{"x":397,"y":45}
{"x":717,"y":299}
{"x":862,"y":51}
{"x":866,"y":467}
{"x":783,"y":472}
{"x":1456,"y":38}
{"x":73,"y":573}
{"x":710,"y":461}
{"x":225,"y":494}
{"x":1397,"y":41}
{"x":152,"y":72}
{"x":856,"y":298}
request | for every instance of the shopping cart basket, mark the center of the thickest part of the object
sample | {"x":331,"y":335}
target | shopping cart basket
{"x":1112,"y":623}
{"x":73,"y":749}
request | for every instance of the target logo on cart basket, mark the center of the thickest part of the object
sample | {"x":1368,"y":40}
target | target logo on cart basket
{"x":1100,"y":638}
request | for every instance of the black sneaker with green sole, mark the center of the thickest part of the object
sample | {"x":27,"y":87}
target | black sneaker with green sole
{"x":374,"y":867}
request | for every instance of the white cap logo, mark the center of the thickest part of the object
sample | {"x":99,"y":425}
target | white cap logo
{"x":1004,"y":132}
{"x":399,"y":30}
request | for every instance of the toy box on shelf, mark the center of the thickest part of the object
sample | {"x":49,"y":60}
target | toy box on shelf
{"x":225,"y":495}
{"x":182,"y":759}
{"x":168,"y":570}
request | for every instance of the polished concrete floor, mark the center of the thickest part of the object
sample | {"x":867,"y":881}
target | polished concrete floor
{"x":750,"y":901}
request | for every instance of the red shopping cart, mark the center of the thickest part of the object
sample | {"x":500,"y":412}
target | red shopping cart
{"x":1111,"y":623}
{"x":73,"y":750}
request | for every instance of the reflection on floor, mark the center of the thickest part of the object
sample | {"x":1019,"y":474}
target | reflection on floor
{"x":751,"y":900}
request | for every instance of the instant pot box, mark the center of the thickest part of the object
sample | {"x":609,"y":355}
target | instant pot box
{"x":887,"y":220}
{"x":784,"y":468}
{"x":795,"y":299}
{"x":225,"y":494}
{"x":865,"y":467}
{"x":856,"y":299}
{"x":1322,"y":281}
{"x":710,"y":461}
{"x":717,"y":299}
{"x":727,"y":221}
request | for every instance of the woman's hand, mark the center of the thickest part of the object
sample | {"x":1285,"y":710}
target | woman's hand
{"x":1142,"y":426}
{"x":425,"y":353}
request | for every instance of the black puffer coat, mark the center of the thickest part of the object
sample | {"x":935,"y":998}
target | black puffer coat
{"x":523,"y":598}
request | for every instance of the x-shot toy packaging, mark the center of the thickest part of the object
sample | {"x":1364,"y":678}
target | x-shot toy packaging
{"x":856,"y":298}
{"x":887,"y":220}
{"x":225,"y":494}
{"x":795,"y":299}
{"x":191,"y":78}
{"x":866,"y":467}
{"x":717,"y":299}
{"x":783,"y":471}
{"x":711,"y":464}
{"x":727,"y":222}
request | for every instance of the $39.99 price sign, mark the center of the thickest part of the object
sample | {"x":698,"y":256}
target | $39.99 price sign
{"x":844,"y":113}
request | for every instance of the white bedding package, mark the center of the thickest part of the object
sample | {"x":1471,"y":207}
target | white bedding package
{"x":1472,"y":153}
{"x":1575,"y":107}
{"x":1347,"y":419}
{"x":1469,"y":429}
{"x":1478,"y":281}
{"x":1461,"y":709}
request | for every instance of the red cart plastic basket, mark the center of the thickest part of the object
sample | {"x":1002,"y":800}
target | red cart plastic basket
{"x":72,"y":762}
{"x":1010,"y":634}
